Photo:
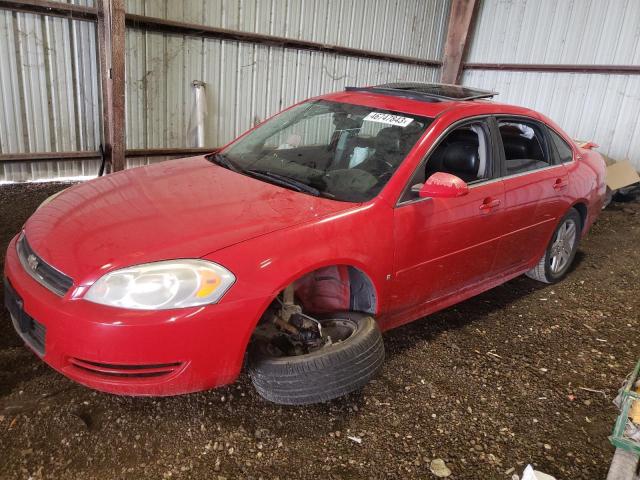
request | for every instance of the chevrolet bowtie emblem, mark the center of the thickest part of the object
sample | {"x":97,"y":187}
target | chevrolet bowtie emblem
{"x":32,"y":261}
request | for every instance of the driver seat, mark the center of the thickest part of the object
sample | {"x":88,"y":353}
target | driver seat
{"x":462,"y":160}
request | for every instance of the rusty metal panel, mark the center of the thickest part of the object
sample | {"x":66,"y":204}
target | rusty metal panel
{"x":597,"y":107}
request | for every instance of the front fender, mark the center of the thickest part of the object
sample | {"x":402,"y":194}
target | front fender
{"x":361,"y":237}
{"x":264,"y":266}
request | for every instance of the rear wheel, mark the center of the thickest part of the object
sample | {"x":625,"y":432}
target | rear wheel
{"x":561,"y":251}
{"x":351,"y":356}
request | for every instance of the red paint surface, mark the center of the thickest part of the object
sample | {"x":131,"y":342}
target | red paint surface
{"x":420,"y":256}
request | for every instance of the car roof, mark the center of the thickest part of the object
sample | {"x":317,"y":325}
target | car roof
{"x":426,"y":99}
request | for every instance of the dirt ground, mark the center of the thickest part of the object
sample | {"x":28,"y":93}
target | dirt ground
{"x":521,"y":374}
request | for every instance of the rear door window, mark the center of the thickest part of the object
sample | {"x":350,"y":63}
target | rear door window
{"x":524,"y":146}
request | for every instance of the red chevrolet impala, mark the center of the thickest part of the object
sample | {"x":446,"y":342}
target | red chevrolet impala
{"x":297,"y":244}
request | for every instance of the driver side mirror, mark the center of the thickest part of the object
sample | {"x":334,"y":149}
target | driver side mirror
{"x":443,"y":185}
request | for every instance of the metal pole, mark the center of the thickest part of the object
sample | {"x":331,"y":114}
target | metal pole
{"x":111,"y":34}
{"x":199,"y":112}
{"x":460,"y":25}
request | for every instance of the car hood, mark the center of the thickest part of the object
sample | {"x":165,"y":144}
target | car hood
{"x":176,"y":209}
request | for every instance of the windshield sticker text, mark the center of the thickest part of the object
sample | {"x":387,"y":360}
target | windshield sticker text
{"x":388,"y":119}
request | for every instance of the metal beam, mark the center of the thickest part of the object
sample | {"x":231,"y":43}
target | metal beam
{"x":55,"y":9}
{"x":48,"y":156}
{"x":539,"y":67}
{"x":461,"y":19}
{"x":154,"y":24}
{"x":181,"y":28}
{"x":93,"y":155}
{"x":162,"y":152}
{"x":111,"y":38}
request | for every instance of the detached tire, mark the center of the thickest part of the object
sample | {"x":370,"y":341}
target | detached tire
{"x":327,"y":373}
{"x":561,"y":251}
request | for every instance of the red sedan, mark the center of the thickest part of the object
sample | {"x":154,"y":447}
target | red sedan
{"x":298,"y":243}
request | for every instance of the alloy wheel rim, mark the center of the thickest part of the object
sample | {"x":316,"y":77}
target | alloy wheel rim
{"x":562,"y":246}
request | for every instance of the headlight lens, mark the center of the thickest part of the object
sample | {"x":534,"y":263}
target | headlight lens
{"x":162,"y":285}
{"x":50,"y":197}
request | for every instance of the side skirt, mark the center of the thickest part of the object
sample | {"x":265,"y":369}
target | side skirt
{"x":424,"y":309}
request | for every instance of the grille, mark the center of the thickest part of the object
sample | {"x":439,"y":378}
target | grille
{"x":42,"y":272}
{"x":126,"y":371}
{"x":32,"y":331}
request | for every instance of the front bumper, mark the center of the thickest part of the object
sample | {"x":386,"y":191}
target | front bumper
{"x":132,"y":352}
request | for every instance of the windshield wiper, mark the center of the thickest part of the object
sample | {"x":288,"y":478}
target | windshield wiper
{"x":284,"y":181}
{"x":222,"y":160}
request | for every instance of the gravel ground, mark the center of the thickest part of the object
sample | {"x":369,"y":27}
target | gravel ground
{"x":521,"y":374}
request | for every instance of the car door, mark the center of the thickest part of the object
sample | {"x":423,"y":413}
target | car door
{"x":534,"y":183}
{"x":445,"y":245}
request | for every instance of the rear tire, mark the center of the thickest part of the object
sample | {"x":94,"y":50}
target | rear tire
{"x":561,"y":251}
{"x":327,"y":373}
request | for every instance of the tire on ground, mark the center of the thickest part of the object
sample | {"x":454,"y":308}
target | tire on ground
{"x":324,"y":374}
{"x":542,"y":271}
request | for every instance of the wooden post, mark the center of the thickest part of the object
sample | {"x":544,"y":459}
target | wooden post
{"x":461,"y":18}
{"x":111,"y":34}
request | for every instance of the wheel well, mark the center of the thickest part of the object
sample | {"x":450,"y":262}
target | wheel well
{"x":582,"y":210}
{"x":362,"y":292}
{"x":323,"y":290}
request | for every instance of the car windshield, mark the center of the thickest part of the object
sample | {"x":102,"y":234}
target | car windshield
{"x":337,"y":150}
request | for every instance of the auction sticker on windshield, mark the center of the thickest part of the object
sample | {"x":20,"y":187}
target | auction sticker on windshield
{"x":388,"y":119}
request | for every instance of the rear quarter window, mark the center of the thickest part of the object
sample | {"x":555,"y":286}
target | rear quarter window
{"x":563,"y":150}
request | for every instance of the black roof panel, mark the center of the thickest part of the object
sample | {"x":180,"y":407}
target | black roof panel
{"x":430,"y":92}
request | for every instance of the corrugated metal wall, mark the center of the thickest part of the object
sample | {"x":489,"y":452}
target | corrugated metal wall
{"x":50,"y":85}
{"x":246,"y":83}
{"x":50,"y":89}
{"x":49,"y":92}
{"x":599,"y":107}
{"x":412,"y":28}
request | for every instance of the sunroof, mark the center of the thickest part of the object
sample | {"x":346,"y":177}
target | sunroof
{"x":433,"y":92}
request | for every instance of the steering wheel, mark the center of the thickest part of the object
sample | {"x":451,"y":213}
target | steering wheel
{"x":350,"y":179}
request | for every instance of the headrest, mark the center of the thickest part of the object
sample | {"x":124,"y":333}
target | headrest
{"x":461,"y":157}
{"x":410,"y":135}
{"x":510,"y":130}
{"x":388,"y":140}
{"x":516,"y":147}
{"x":348,"y":124}
{"x":463,"y":135}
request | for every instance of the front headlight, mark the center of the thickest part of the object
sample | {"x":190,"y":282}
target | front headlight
{"x":50,"y":197}
{"x":162,"y":285}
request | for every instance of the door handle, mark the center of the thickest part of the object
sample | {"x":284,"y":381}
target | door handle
{"x":489,"y":204}
{"x":560,"y":184}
